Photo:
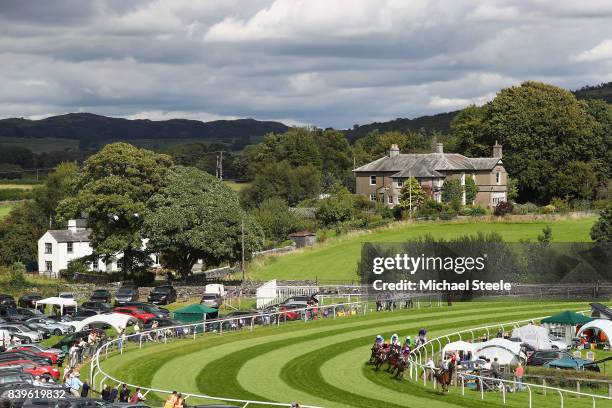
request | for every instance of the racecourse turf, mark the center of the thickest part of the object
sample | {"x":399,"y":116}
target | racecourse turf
{"x":337,"y":258}
{"x":323,"y":362}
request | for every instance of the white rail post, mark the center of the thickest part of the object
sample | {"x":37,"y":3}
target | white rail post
{"x":481,"y":388}
{"x":106,"y":353}
{"x":529,"y":389}
{"x":561,"y":395}
{"x":462,"y":384}
{"x":503,"y":389}
{"x":139,"y":340}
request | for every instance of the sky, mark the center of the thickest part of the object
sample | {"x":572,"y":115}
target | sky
{"x":328,"y":63}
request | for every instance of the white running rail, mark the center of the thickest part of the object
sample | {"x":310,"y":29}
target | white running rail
{"x":274,"y":318}
{"x":417,"y":363}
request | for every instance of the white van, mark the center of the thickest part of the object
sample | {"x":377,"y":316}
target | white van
{"x":215,"y":288}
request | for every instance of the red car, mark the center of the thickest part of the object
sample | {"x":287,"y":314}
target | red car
{"x":289,"y":313}
{"x":32,"y":368}
{"x":134,"y":311}
{"x":34,"y":352}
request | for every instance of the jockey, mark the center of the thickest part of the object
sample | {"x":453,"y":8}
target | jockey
{"x":379,"y":341}
{"x":408,"y":342}
{"x":395,"y":342}
{"x":422,"y":336}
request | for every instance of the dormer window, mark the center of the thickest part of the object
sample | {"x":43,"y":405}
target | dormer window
{"x":372,"y":180}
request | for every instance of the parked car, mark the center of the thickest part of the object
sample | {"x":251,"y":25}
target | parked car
{"x":211,"y":300}
{"x":57,"y":328}
{"x":25,"y":355}
{"x":55,"y":358}
{"x":42,"y":349}
{"x":22,"y":331}
{"x":162,"y":295}
{"x":301,"y":300}
{"x":541,"y":357}
{"x":82,"y":314}
{"x":10,"y":375}
{"x":135,"y":312}
{"x":245,"y":316}
{"x":31,"y":367}
{"x":66,"y":295}
{"x":11,"y":314}
{"x":164,"y":322}
{"x":98,"y":306}
{"x":69,"y":339}
{"x":29,"y":301}
{"x":149,"y":308}
{"x":44,"y":332}
{"x":126,"y":294}
{"x":7,"y":300}
{"x":101,"y":295}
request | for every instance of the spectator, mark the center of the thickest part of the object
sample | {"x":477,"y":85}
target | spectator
{"x":75,"y":384}
{"x":180,"y":401}
{"x":85,"y":389}
{"x":37,"y":381}
{"x":137,"y":396}
{"x":74,"y":354}
{"x":171,"y":401}
{"x":495,"y":368}
{"x":106,"y":393}
{"x":518,"y":374}
{"x":113,"y":394}
{"x":124,"y":393}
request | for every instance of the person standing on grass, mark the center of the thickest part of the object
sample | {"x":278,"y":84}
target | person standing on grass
{"x":85,"y":389}
{"x":518,"y":374}
{"x":75,"y":384}
{"x":113,"y":394}
{"x":495,"y":368}
{"x":171,"y":401}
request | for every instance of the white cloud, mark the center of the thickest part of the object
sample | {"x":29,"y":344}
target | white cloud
{"x":601,"y":52}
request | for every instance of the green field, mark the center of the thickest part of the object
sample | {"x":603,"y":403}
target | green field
{"x":41,"y":145}
{"x":337,"y":258}
{"x":5,"y":208}
{"x":236,"y":186}
{"x":321,"y":362}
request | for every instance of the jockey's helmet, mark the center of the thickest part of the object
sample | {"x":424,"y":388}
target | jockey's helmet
{"x":379,"y":337}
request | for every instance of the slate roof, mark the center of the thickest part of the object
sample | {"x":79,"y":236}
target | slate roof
{"x":70,"y":236}
{"x":427,"y":165}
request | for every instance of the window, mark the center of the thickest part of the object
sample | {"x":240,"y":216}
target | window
{"x":372,"y":197}
{"x":95,"y":264}
{"x":390,"y":199}
{"x":399,"y":183}
{"x":69,"y":247}
{"x":48,"y":248}
{"x":498,"y":177}
{"x":372,"y":180}
{"x":120,"y":263}
{"x":463,"y":179}
{"x":48,"y":266}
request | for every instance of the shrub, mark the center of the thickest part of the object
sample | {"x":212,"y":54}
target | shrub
{"x":478,"y":211}
{"x":14,"y":194}
{"x":561,"y":205}
{"x":548,"y":209}
{"x":503,"y":208}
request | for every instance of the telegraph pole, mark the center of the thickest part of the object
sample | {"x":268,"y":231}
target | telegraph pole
{"x":410,"y":191}
{"x":242,"y":264}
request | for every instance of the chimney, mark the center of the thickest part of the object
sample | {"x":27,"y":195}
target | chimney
{"x":76,"y":225}
{"x":497,"y":150}
{"x":439,"y":148}
{"x":394,"y":151}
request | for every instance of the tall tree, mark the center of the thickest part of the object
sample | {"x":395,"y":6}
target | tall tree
{"x":112,"y":190}
{"x":602,"y":229}
{"x":412,"y":195}
{"x":542,"y":128}
{"x":195,"y":216}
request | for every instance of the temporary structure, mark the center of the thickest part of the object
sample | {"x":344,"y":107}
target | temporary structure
{"x":565,"y":323}
{"x":598,"y":326}
{"x":58,"y":301}
{"x":535,"y":336}
{"x":463,"y":347}
{"x":118,"y":321}
{"x":195,"y":313}
{"x":507,"y":352}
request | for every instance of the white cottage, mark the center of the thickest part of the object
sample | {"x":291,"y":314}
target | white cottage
{"x":56,"y":248}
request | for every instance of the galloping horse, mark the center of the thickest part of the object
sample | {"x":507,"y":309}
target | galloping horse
{"x":444,"y":377}
{"x":400,"y":366}
{"x":393,"y":357}
{"x":381,"y":356}
{"x":375,"y":349}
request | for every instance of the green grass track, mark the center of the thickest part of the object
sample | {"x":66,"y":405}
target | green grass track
{"x":323,"y":362}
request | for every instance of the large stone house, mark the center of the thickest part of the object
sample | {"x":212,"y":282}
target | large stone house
{"x":56,"y":248}
{"x":382,"y":179}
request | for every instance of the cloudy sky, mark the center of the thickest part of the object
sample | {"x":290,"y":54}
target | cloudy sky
{"x":322,"y":62}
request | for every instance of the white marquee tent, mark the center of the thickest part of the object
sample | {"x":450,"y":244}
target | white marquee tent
{"x":603,"y":325}
{"x":118,"y":321}
{"x":535,"y":336}
{"x":58,"y":301}
{"x":507,"y":352}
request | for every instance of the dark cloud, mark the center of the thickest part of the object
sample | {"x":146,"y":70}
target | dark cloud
{"x":329,"y":63}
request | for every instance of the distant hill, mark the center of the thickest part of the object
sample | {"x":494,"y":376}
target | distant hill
{"x":601,"y":91}
{"x":439,"y":123}
{"x":96,"y":128}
